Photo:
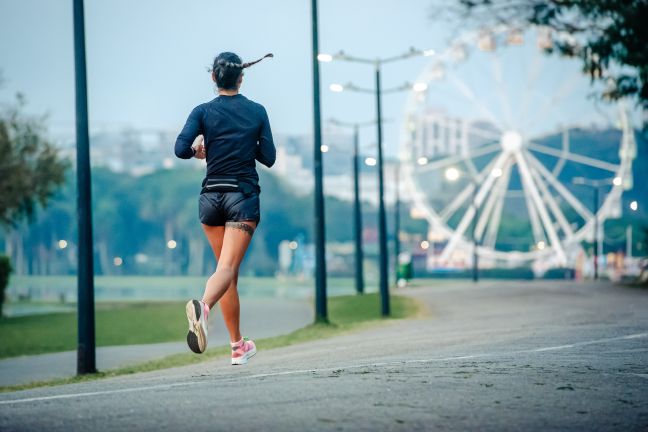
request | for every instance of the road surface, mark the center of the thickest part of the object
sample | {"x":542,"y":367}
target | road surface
{"x":494,"y":356}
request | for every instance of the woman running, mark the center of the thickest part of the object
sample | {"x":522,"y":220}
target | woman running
{"x":235,"y":132}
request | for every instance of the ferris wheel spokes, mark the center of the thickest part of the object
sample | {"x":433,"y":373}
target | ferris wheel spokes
{"x":534,"y":218}
{"x":482,"y":133}
{"x":552,"y":204}
{"x":584,"y":160}
{"x":470,"y":95}
{"x":493,"y":227}
{"x":583,"y":211}
{"x":561,"y":92}
{"x":468,"y":216}
{"x":534,"y":74}
{"x":456,"y":203}
{"x":501,"y":94}
{"x":557,"y":169}
{"x":497,"y":195}
{"x":454,"y":159}
{"x":525,"y":175}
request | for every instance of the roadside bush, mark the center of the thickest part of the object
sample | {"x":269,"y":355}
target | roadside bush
{"x":5,"y":269}
{"x":560,"y":273}
{"x":490,"y":273}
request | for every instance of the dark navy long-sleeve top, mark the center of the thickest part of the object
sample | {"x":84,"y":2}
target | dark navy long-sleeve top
{"x":236,"y":132}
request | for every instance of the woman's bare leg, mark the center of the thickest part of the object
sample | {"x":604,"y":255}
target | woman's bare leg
{"x":214,"y":235}
{"x":229,"y":245}
{"x":229,"y":303}
{"x":231,"y":310}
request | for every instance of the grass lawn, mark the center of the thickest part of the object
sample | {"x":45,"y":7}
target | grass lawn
{"x":142,"y":323}
{"x":169,"y":288}
{"x":118,"y":322}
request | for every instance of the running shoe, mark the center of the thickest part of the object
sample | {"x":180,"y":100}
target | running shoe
{"x":242,"y":351}
{"x":197,"y":315}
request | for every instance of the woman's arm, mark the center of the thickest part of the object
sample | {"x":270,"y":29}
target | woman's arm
{"x":192,"y":128}
{"x":266,"y":152}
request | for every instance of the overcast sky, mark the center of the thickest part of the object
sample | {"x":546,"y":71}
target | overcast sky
{"x":147,"y":60}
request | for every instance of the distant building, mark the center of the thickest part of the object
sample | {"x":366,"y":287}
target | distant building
{"x":133,"y":151}
{"x":139,"y":152}
{"x":295,"y":166}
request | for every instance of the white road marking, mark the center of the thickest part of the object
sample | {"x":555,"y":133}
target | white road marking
{"x":597,"y":341}
{"x":635,"y":336}
{"x":97,"y":393}
{"x":553,"y":348}
{"x":330,"y":369}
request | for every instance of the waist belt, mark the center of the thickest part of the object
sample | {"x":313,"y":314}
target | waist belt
{"x":229,"y":184}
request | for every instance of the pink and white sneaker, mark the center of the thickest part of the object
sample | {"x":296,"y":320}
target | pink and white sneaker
{"x":197,"y":315}
{"x":242,"y":351}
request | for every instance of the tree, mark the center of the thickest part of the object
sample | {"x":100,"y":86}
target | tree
{"x":30,"y":172}
{"x":30,"y":167}
{"x":609,"y":36}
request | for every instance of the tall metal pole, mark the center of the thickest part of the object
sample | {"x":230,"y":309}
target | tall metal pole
{"x":357,"y":213}
{"x":397,"y":220}
{"x":85,"y":301}
{"x":321,"y":314}
{"x":596,"y":230}
{"x":382,"y":222}
{"x":474,"y":234}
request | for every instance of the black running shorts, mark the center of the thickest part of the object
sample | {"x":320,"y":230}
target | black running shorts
{"x":216,"y":208}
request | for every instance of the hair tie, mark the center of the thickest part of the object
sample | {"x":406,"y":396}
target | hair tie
{"x":229,"y":64}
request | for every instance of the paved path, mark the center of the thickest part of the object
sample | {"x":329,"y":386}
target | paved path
{"x":500,"y":356}
{"x":261,"y":318}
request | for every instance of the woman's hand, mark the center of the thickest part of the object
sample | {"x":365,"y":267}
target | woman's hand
{"x":200,"y":152}
{"x":199,"y":147}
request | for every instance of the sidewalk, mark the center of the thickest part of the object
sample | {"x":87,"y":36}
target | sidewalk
{"x":260,"y":318}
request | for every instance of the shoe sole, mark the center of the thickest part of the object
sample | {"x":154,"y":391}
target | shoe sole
{"x":243,"y":360}
{"x":196,"y":338}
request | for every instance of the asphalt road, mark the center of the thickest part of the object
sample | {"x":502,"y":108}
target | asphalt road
{"x":497,"y":356}
{"x":260,"y":317}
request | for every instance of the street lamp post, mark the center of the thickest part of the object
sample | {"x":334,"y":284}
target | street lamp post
{"x":474,"y":233}
{"x":85,"y":280}
{"x":383,"y":261}
{"x":357,"y":213}
{"x":397,"y":218}
{"x":596,"y":185}
{"x":397,"y":205}
{"x":357,"y":210}
{"x":382,"y":220}
{"x":596,"y":232}
{"x":633,"y":207}
{"x":321,"y":314}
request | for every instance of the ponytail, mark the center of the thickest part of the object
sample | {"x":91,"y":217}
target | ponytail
{"x":228,"y":67}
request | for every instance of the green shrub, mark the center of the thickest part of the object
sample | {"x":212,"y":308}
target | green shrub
{"x":488,"y":273}
{"x":5,"y":269}
{"x":560,"y":273}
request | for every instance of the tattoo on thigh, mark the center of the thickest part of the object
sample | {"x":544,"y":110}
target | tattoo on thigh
{"x":241,"y":226}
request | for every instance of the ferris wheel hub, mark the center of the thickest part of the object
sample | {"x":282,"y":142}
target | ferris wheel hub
{"x":511,"y":141}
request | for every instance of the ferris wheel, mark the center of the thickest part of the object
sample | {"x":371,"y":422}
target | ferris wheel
{"x":494,"y":134}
